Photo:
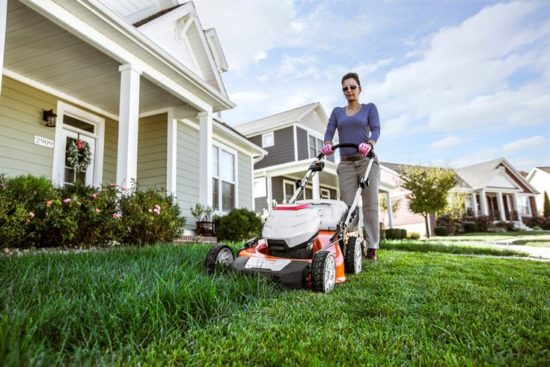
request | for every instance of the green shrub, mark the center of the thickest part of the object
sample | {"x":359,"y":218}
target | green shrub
{"x":540,"y":222}
{"x":13,"y":223}
{"x":470,"y":227}
{"x":396,"y":234}
{"x":447,"y":221}
{"x":483,"y":222}
{"x":149,"y":217}
{"x":98,"y":222}
{"x":238,"y":225}
{"x":413,"y":236}
{"x":56,"y":222}
{"x":441,"y":231}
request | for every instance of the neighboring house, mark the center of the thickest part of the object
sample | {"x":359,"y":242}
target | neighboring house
{"x":141,"y":84}
{"x":494,"y":189}
{"x":539,"y":178}
{"x":293,"y":139}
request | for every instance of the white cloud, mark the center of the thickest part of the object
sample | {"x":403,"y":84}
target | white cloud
{"x":462,"y":78}
{"x":446,"y":143}
{"x":248,"y":32}
{"x":527,"y":143}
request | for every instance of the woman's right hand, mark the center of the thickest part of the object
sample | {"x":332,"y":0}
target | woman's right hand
{"x":327,"y":149}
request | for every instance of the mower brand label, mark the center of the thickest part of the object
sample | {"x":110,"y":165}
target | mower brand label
{"x":270,"y":264}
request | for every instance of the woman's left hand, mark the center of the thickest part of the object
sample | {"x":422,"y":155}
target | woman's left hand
{"x":364,"y":148}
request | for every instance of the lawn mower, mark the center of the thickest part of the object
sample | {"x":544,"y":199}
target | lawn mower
{"x":306,"y":243}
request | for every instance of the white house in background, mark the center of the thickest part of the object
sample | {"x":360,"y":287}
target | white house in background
{"x":139,"y":81}
{"x":539,"y":178}
{"x":497,"y":190}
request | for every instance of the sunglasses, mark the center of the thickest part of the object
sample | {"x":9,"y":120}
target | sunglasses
{"x":352,"y":87}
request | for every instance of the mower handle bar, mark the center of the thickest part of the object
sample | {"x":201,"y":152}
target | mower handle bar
{"x":341,"y":145}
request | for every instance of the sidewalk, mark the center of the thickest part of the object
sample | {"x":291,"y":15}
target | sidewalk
{"x":535,"y":252}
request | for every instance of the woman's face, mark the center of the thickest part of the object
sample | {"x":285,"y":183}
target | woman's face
{"x":351,"y":89}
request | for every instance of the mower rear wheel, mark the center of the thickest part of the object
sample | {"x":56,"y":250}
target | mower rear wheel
{"x":323,"y":272}
{"x":219,"y":257}
{"x":354,"y":256}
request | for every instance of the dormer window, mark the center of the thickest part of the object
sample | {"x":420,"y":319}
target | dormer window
{"x":268,"y":140}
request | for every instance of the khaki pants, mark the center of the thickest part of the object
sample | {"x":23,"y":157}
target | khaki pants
{"x":349,"y":175}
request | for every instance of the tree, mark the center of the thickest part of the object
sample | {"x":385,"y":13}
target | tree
{"x":546,"y":210}
{"x":429,"y":188}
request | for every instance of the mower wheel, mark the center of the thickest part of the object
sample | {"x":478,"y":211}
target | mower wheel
{"x":353,"y":258}
{"x":323,"y":272}
{"x":219,"y":256}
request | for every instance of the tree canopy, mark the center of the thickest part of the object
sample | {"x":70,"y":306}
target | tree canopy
{"x":429,"y":188}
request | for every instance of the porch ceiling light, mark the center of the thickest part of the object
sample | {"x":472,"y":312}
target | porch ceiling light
{"x":49,"y":117}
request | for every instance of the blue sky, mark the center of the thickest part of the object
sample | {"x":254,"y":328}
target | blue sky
{"x":455,"y":82}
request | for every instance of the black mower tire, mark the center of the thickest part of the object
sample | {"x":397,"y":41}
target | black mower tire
{"x":354,"y":256}
{"x":220,"y":256}
{"x":323,"y":272}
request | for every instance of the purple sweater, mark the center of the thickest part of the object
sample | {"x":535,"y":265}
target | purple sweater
{"x":356,"y":129}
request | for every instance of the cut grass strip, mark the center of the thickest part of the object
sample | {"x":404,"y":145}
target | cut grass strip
{"x":447,"y":247}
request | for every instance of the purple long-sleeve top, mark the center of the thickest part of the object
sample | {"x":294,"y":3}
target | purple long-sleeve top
{"x":359,"y":128}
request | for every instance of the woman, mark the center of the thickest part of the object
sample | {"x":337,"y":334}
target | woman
{"x":359,"y":124}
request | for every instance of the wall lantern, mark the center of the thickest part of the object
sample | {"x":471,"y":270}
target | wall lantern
{"x":49,"y":117}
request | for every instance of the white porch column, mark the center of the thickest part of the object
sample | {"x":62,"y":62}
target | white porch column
{"x":316,"y":186}
{"x":3,"y":20}
{"x":483,"y":202}
{"x":205,"y":158}
{"x":501,"y":206}
{"x":474,"y":203}
{"x":269,"y":192}
{"x":390,"y":211}
{"x":126,"y":171}
{"x":516,"y":206}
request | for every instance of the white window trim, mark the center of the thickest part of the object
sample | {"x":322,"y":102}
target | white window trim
{"x":325,"y":192}
{"x":58,"y":169}
{"x":264,"y":137}
{"x":235,"y":154}
{"x":293,"y":183}
{"x":317,"y":137}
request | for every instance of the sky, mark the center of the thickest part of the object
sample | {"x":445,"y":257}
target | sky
{"x":455,"y":82}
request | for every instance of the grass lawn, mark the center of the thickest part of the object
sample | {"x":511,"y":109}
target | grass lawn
{"x":492,"y":236}
{"x":155,"y":306}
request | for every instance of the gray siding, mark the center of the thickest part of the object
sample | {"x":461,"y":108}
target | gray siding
{"x":277,"y":189}
{"x":301,"y":136}
{"x":245,"y":181}
{"x":281,"y":152}
{"x":21,"y":108}
{"x":110,"y":151}
{"x":261,"y":204}
{"x":187,"y":171}
{"x":152,"y":141}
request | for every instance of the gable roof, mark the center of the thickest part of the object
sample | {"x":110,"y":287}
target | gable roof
{"x":202,"y":46}
{"x":280,"y":119}
{"x":485,"y":174}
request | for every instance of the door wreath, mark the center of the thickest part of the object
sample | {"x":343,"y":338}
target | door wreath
{"x":79,"y":155}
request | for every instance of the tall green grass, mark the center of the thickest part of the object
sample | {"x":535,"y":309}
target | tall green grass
{"x":448,"y":248}
{"x":155,"y":306}
{"x":99,"y":307}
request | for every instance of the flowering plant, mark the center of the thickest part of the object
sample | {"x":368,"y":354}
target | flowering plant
{"x":79,"y":155}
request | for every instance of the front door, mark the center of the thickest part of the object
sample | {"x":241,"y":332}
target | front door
{"x":78,"y":131}
{"x":85,"y":175}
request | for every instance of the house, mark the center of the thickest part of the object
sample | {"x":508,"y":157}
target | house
{"x":293,"y":138}
{"x":493,"y":188}
{"x":140,"y":83}
{"x":539,"y":178}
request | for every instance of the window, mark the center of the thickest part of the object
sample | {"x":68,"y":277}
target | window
{"x":524,"y":207}
{"x":289,"y":187}
{"x":268,"y":140}
{"x":325,"y":194}
{"x":223,"y":179}
{"x":315,"y":145}
{"x":260,"y":187}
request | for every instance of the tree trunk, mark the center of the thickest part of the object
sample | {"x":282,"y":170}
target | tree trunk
{"x":427,"y":226}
